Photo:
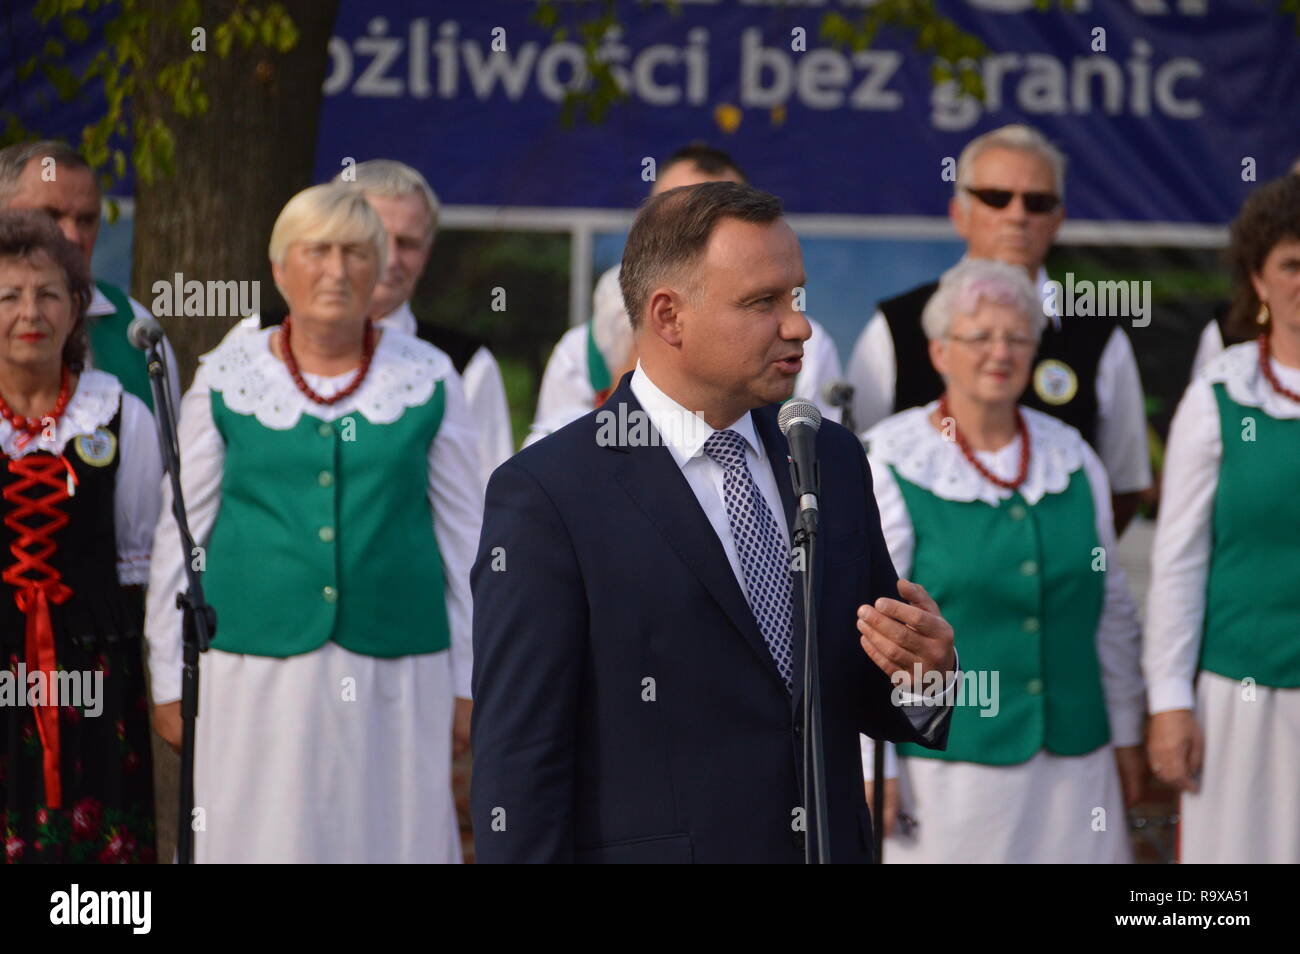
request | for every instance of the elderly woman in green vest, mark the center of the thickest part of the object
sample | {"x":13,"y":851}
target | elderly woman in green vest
{"x":1222,"y":655}
{"x":1005,"y":512}
{"x":330,"y":474}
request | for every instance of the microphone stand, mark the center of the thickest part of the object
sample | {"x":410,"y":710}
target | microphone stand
{"x":814,"y":752}
{"x":199,"y":620}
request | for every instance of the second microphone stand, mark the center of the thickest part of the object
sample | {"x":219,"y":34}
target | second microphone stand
{"x":199,"y":620}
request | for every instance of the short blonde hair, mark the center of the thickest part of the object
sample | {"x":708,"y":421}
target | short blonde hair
{"x":971,"y":280}
{"x":331,"y":212}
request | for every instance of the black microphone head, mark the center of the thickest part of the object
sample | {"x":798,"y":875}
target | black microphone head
{"x":798,"y":411}
{"x":837,"y":393}
{"x":144,"y":332}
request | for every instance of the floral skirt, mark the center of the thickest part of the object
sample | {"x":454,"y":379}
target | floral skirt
{"x":107,"y":812}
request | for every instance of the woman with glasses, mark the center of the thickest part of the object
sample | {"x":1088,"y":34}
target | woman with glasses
{"x":1007,"y":511}
{"x":1222,"y":654}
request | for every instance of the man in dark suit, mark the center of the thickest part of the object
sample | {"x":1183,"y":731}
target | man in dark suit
{"x":638,"y":640}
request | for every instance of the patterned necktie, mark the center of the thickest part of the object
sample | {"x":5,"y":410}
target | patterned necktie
{"x":761,"y":547}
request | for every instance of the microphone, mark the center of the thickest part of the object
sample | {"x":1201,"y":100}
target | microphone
{"x":840,"y":394}
{"x":837,"y":393}
{"x":144,"y":332}
{"x":799,"y":421}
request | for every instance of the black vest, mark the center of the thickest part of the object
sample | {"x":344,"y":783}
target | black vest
{"x":1063,"y":382}
{"x":100,"y":611}
{"x":458,"y":345}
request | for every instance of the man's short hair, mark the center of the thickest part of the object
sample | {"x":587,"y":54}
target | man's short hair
{"x":388,"y":177}
{"x":14,"y":159}
{"x":672,"y":230}
{"x":708,"y":159}
{"x":1017,"y":137}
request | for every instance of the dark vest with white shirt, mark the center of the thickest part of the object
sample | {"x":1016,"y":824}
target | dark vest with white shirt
{"x":1064,"y":379}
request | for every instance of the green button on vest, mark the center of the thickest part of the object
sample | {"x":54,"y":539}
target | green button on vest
{"x":296,"y":560}
{"x":1252,"y":619}
{"x":1016,"y":583}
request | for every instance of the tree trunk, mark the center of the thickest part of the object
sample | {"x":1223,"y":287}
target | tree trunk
{"x":235,"y":166}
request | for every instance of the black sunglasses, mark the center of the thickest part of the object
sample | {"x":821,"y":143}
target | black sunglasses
{"x":1038,"y":203}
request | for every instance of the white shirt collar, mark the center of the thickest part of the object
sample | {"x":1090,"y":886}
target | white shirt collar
{"x":99,"y":303}
{"x":684,"y":432}
{"x":400,"y":319}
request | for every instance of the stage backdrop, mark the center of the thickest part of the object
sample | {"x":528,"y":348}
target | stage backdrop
{"x":1160,"y":104}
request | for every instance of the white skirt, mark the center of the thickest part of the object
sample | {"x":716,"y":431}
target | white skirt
{"x":1051,"y":809}
{"x":328,"y":757}
{"x":1248,"y":807}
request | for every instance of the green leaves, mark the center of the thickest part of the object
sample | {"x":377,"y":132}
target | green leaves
{"x":118,"y":70}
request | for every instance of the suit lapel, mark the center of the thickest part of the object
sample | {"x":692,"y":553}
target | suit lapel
{"x":657,"y":486}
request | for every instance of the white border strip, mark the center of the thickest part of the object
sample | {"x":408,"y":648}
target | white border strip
{"x":1074,"y":232}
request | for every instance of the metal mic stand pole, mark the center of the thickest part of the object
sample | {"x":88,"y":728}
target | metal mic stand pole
{"x":199,"y":621}
{"x":814,"y":752}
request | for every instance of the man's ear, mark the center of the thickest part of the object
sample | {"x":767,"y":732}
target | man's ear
{"x":663,"y":316}
{"x":958,"y":213}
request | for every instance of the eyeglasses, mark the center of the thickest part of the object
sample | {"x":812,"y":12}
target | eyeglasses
{"x":983,"y":341}
{"x":1038,"y":203}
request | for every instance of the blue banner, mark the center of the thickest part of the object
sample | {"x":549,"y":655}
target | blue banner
{"x":1168,"y":110}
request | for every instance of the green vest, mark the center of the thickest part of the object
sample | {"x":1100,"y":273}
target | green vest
{"x":325,"y":532}
{"x":1018,"y":586}
{"x":1252,"y":618}
{"x":597,"y":371}
{"x":112,"y":350}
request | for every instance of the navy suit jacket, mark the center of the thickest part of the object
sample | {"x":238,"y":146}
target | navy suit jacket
{"x":626,"y":707}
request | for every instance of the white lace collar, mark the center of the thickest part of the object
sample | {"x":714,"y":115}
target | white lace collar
{"x":1237,"y":368}
{"x":92,"y":405}
{"x":253,"y":381}
{"x":918,"y":452}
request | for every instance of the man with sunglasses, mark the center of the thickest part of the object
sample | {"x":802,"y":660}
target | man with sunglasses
{"x":1008,"y":207}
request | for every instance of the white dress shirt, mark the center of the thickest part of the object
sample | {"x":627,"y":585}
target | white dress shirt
{"x":485,"y":393}
{"x":1121,"y":415}
{"x":1208,"y":345}
{"x":1180,"y":556}
{"x":684,"y":434}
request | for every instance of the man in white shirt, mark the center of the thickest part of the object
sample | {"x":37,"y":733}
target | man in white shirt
{"x":51,"y":177}
{"x":1008,"y":206}
{"x":409,"y":210}
{"x":590,"y":359}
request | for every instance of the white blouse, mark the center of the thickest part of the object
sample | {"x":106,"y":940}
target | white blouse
{"x":921,"y":455}
{"x":252,"y":380}
{"x":1180,"y":557}
{"x":135,"y":495}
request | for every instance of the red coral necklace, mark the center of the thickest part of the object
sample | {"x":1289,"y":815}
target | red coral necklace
{"x":974,"y":461}
{"x":1266,"y":369}
{"x":367,"y":352}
